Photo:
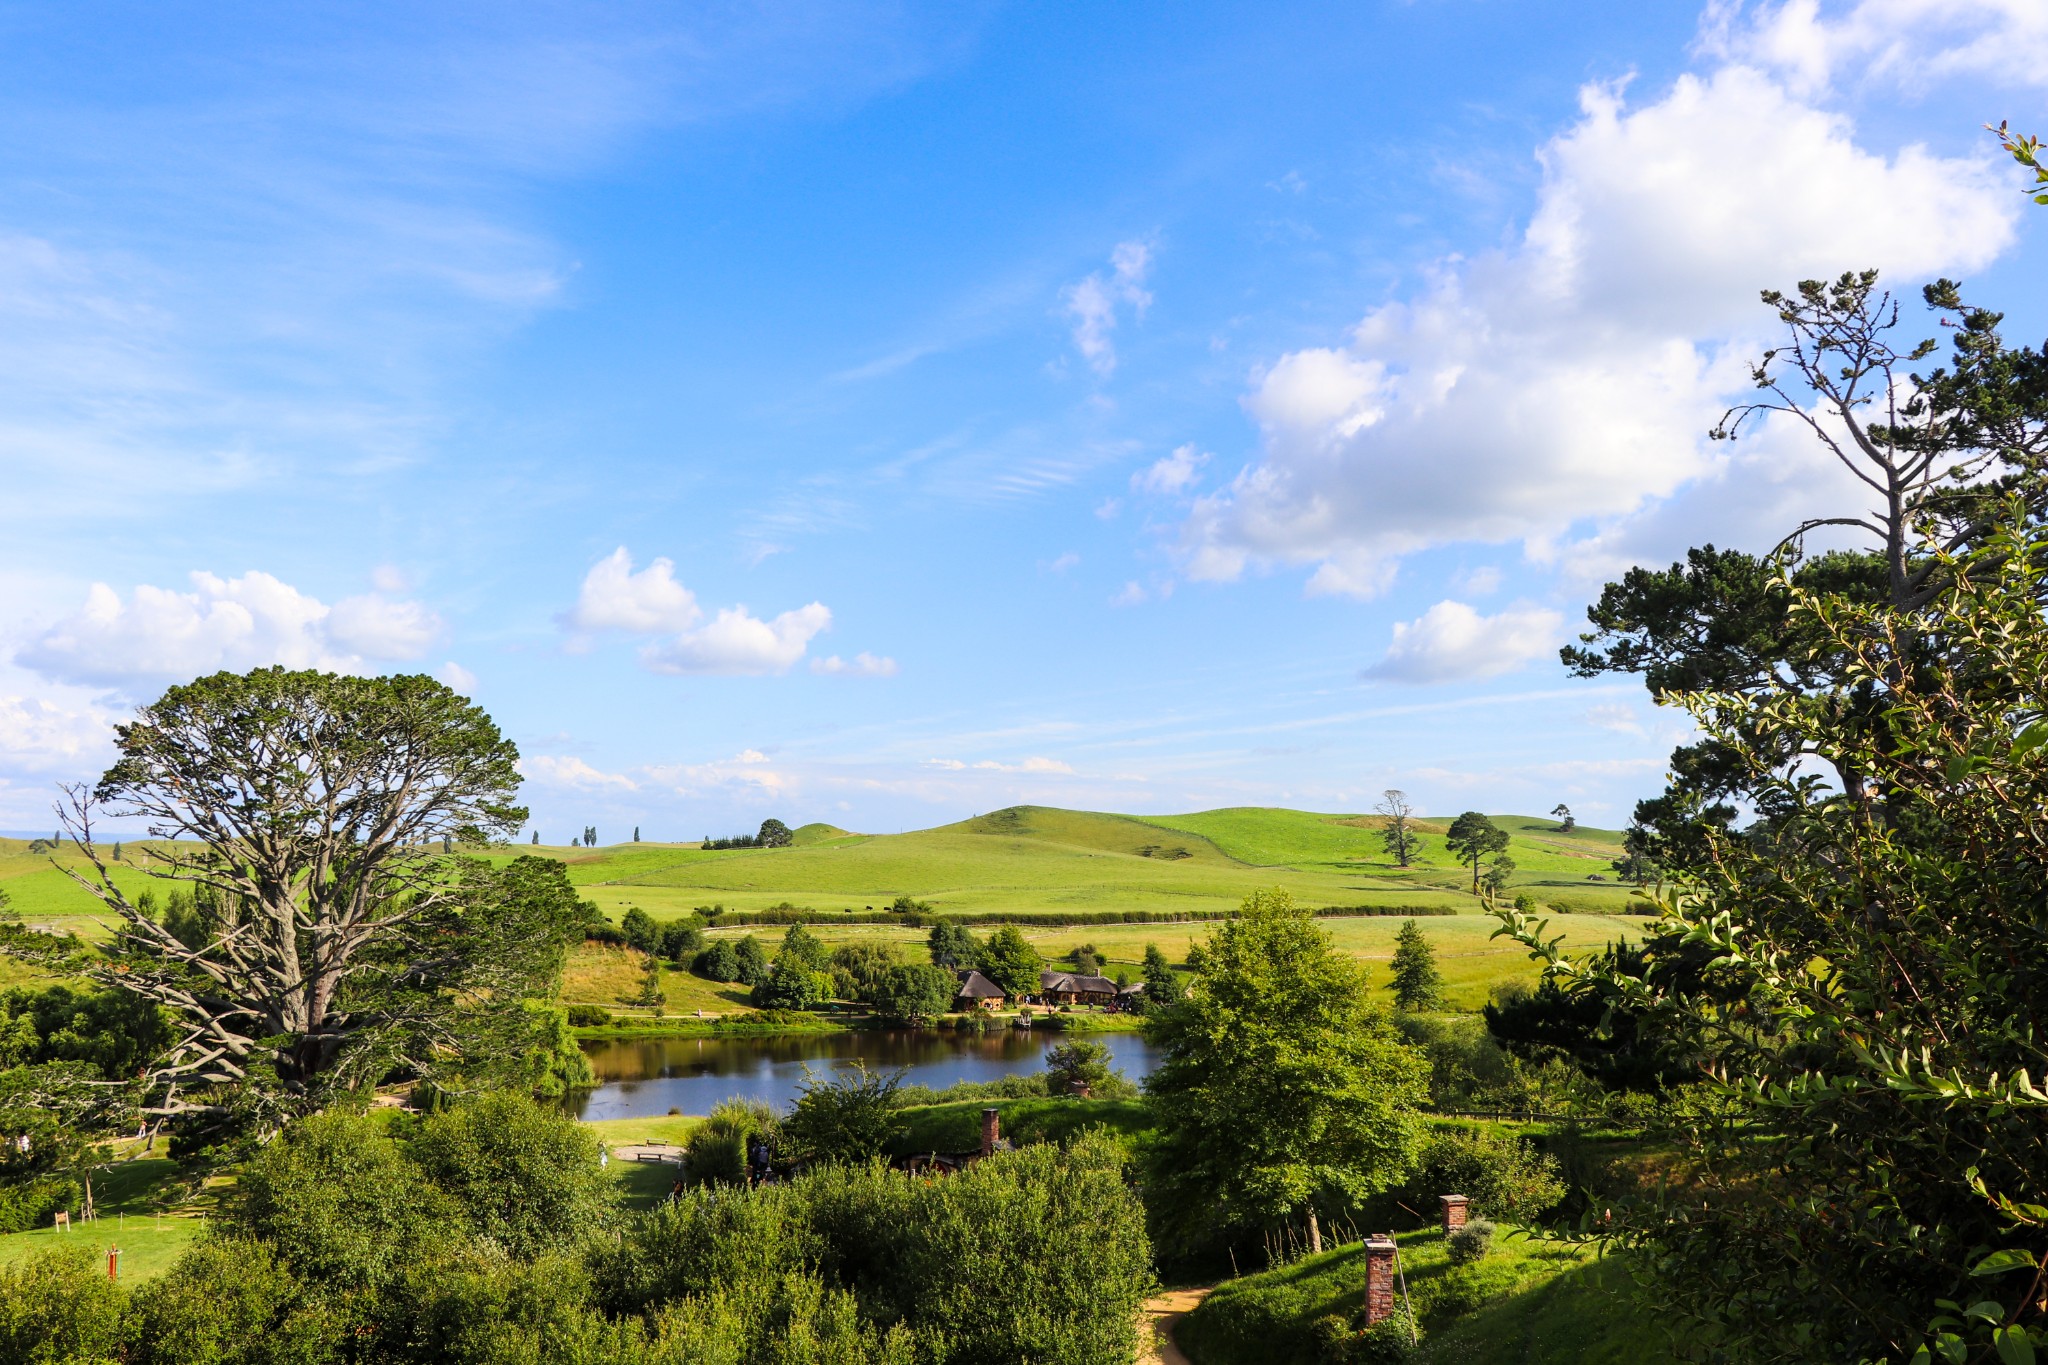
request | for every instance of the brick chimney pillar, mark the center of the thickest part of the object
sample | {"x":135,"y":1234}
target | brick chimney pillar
{"x":991,"y":1130}
{"x":1379,"y":1279}
{"x":1454,"y":1212}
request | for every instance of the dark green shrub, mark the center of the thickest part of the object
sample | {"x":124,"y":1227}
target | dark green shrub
{"x":1502,"y":1175}
{"x":59,"y":1307}
{"x":717,"y":1150}
{"x":526,"y":1177}
{"x":219,"y":1305}
{"x":589,"y":1016}
{"x":340,"y":1202}
{"x":848,"y":1116}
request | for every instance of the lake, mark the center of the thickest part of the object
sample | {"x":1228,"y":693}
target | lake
{"x":649,"y":1076}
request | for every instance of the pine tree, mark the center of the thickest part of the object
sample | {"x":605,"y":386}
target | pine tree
{"x":636,"y":834}
{"x":1417,"y":983}
{"x":1162,"y":987}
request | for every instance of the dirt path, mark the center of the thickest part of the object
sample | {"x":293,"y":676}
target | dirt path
{"x":1162,"y":1312}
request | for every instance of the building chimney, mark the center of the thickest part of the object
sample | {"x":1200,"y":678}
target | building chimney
{"x":991,"y":1130}
{"x":1379,"y":1279}
{"x":1454,"y":1212}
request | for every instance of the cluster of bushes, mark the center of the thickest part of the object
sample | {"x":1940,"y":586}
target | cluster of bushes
{"x":489,"y":1233}
{"x":773,"y":834}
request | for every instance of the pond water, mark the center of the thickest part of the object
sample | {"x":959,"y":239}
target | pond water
{"x":649,"y":1076}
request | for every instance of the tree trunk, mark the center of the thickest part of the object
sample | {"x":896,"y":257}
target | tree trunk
{"x":1315,"y":1235}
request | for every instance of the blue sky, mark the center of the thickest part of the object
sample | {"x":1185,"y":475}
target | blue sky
{"x":884,"y":413}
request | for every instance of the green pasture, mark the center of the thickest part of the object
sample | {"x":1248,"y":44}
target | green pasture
{"x":1028,"y":859}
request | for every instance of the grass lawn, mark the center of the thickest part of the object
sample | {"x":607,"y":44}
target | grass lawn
{"x":1527,"y":1301}
{"x":956,"y":1127}
{"x":148,"y":1244}
{"x":672,"y":1128}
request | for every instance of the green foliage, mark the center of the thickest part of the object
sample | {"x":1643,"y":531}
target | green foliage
{"x":526,"y":1177}
{"x":848,"y":1116}
{"x":717,"y":1150}
{"x":719,"y":962}
{"x":953,"y":945}
{"x":58,"y":1308}
{"x":555,"y":1062}
{"x":1280,"y":1086}
{"x":340,"y":1202}
{"x":1874,"y":993}
{"x":681,"y":942}
{"x":640,"y":930}
{"x":751,"y":961}
{"x":222,"y":1303}
{"x":1162,"y":983}
{"x":1473,"y":838}
{"x":982,"y":1268}
{"x":1010,"y":961}
{"x":588,"y":1016}
{"x":1504,"y":1176}
{"x":1416,"y":982}
{"x":1082,"y":1067}
{"x":800,"y":978}
{"x":914,"y":994}
{"x":774,"y":834}
{"x":860,"y":970}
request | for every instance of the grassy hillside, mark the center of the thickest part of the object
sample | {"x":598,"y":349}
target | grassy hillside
{"x":1025,"y":859}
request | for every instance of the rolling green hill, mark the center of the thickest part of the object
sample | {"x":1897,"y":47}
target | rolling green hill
{"x":1026,"y":859}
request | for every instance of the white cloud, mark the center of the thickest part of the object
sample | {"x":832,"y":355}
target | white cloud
{"x":1453,"y":643}
{"x":747,"y":773}
{"x":1132,"y":594}
{"x":862,"y":665}
{"x":39,"y":736}
{"x":1571,"y":378}
{"x":1616,"y":717}
{"x":1171,"y":475}
{"x":1093,"y":303}
{"x":160,"y":634}
{"x":649,"y":602}
{"x":1909,"y":44}
{"x":573,"y":773}
{"x":1108,"y":508}
{"x":1482,"y":581}
{"x":1037,"y":765}
{"x":457,"y":677}
{"x":1029,"y":765}
{"x":738,"y":643}
{"x":1061,"y":564}
{"x":389,"y":578}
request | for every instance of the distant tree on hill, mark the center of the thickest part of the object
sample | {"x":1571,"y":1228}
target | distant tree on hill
{"x":1398,"y":836}
{"x":680,"y":943}
{"x":954,"y":945}
{"x":774,"y":834}
{"x":536,"y":838}
{"x":636,"y":834}
{"x":753,"y":961}
{"x":1565,"y":823}
{"x":1012,"y":963}
{"x":1473,"y":839}
{"x":1497,"y":873}
{"x":1162,"y":985}
{"x":719,"y":962}
{"x":1417,"y":984}
{"x":117,"y":851}
{"x":640,"y":930}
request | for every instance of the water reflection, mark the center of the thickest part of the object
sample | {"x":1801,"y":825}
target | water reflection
{"x":643,"y":1076}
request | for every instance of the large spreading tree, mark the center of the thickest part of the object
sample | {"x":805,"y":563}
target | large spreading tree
{"x":334,"y":938}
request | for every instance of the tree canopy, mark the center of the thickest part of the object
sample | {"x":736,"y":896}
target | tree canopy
{"x":1281,"y":1089}
{"x":1473,"y":838}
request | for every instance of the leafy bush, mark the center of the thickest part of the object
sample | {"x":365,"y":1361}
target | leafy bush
{"x":848,"y":1117}
{"x":717,"y":1150}
{"x":589,"y":1016}
{"x":216,"y":1306}
{"x":59,"y":1306}
{"x":340,"y":1202}
{"x":526,"y":1177}
{"x":1502,"y":1175}
{"x":1468,"y":1243}
{"x":30,"y":1204}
